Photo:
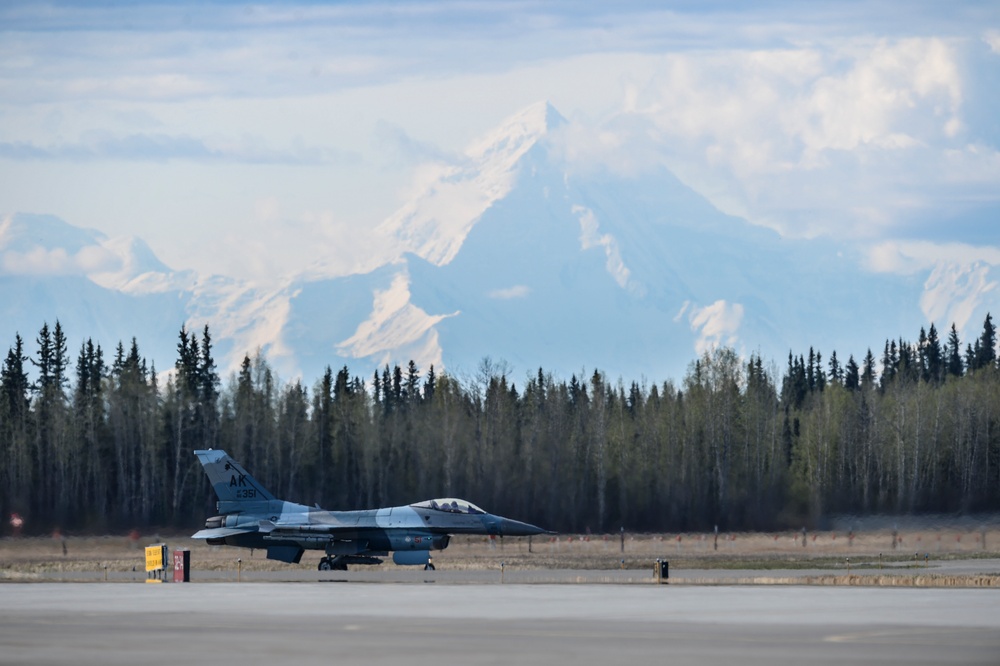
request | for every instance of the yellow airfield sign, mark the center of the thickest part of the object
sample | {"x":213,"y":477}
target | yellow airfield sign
{"x":156,"y":557}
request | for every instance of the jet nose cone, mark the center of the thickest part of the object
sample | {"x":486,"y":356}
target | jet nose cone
{"x":510,"y":527}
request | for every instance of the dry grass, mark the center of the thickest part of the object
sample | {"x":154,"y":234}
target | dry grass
{"x":22,"y":558}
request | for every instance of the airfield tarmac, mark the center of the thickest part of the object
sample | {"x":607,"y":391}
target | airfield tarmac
{"x":253,"y":623}
{"x":568,"y":602}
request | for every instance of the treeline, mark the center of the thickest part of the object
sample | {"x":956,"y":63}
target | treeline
{"x":102,"y":444}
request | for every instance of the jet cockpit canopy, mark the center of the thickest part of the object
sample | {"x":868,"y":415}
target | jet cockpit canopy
{"x":449,"y":505}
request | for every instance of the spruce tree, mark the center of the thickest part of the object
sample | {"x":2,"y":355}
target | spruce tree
{"x":412,"y":390}
{"x":429,"y":385}
{"x":322,"y":417}
{"x":819,"y":373}
{"x":836,"y":371}
{"x":908,"y":366}
{"x":208,"y":393}
{"x":954,"y":363}
{"x":972,"y":355}
{"x":397,"y":384}
{"x":868,"y":370}
{"x":852,"y":378}
{"x":60,"y":357}
{"x":986,"y":354}
{"x":933,"y":357}
{"x":388,"y":396}
{"x":44,"y":361}
{"x":810,"y":375}
{"x":14,"y":384}
{"x":16,"y":487}
{"x":890,"y":363}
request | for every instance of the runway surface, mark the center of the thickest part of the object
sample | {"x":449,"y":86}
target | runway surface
{"x":435,"y":623}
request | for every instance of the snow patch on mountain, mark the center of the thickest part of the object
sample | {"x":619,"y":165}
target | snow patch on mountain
{"x":137,"y":269}
{"x":508,"y":293}
{"x":591,"y":236}
{"x":716,"y":325}
{"x":396,"y":324}
{"x":962,"y":280}
{"x":954,"y":292}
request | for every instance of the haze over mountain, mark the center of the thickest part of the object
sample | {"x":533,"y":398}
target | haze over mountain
{"x":519,"y":254}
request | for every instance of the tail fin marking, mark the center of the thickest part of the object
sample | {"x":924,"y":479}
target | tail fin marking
{"x":230,"y":481}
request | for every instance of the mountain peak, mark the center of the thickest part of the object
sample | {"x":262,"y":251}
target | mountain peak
{"x":435,"y":223}
{"x":517,"y":133}
{"x":540,"y":118}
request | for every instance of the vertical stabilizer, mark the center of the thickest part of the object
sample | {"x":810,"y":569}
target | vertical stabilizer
{"x":231,"y":482}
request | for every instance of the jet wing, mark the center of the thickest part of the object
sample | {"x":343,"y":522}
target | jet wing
{"x":279,"y":530}
{"x":305,"y":529}
{"x":220,"y":532}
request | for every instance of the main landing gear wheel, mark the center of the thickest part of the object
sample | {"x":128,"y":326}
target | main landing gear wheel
{"x":429,"y":567}
{"x":332,"y":564}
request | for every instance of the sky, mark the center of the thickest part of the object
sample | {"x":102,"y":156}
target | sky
{"x":258,"y":140}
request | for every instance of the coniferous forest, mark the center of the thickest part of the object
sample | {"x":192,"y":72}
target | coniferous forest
{"x":97,"y":441}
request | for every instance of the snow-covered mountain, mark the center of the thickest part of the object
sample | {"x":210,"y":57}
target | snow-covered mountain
{"x":112,"y":290}
{"x":515,"y":256}
{"x":512,"y":254}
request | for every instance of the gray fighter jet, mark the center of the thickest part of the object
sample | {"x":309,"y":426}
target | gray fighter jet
{"x":251,"y":517}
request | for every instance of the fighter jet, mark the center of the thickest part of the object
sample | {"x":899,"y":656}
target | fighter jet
{"x":251,"y":517}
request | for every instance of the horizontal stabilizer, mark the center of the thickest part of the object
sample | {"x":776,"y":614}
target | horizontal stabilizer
{"x":221,"y":532}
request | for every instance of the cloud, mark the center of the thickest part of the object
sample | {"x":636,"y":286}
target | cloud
{"x":992,"y":38}
{"x":44,"y":262}
{"x":163,"y":147}
{"x":394,"y":138}
{"x":888,"y":91}
{"x":826,"y":118}
{"x":276,"y":242}
{"x":626,"y":144}
{"x":165,"y":86}
{"x":910,"y":257}
{"x":865,"y":95}
{"x":843,"y":138}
